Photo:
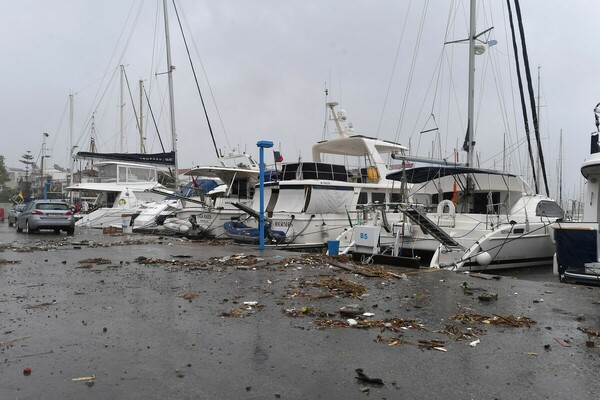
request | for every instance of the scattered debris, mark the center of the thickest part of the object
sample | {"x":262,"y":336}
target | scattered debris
{"x":305,"y":312}
{"x":563,"y":342}
{"x":363,"y":377}
{"x":8,"y":262}
{"x":432,"y":344}
{"x":488,"y":297}
{"x":459,"y":334}
{"x":393,"y":324}
{"x":242,"y":311}
{"x":351,"y":310}
{"x":485,"y":276}
{"x":509,"y":320}
{"x":26,"y":371}
{"x":189,"y":296}
{"x":589,"y":331}
{"x":474,"y":343}
{"x":11,"y":341}
{"x":391,"y":341}
{"x":40,"y":305}
{"x":98,"y":261}
{"x":84,"y":378}
{"x":340,"y":286}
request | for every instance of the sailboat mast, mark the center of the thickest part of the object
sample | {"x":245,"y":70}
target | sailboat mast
{"x":141,"y":123}
{"x":471,"y":104}
{"x":71,"y":145}
{"x":122,"y":120}
{"x":538,"y":165}
{"x":170,"y":76}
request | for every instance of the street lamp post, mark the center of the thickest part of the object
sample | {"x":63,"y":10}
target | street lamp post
{"x":42,"y":165}
{"x":262,"y":145}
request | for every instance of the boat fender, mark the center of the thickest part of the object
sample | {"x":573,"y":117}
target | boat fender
{"x":442,"y":207}
{"x":483,"y":259}
{"x":122,"y":202}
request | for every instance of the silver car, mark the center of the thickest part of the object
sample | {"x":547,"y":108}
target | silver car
{"x":46,"y":214}
{"x":14,"y":213}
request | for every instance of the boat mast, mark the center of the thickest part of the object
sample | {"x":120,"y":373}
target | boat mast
{"x":141,"y":123}
{"x":121,"y":106}
{"x":71,"y":148}
{"x":170,"y":76}
{"x":538,"y":165}
{"x":470,"y":142}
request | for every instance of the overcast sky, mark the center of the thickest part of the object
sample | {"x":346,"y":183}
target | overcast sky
{"x":263,"y":67}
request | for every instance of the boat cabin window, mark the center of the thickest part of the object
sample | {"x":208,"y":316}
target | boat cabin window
{"x":239,"y":188}
{"x":378,"y":198}
{"x":363,"y":198}
{"x":395,"y":197}
{"x":547,"y":208}
{"x":310,"y":170}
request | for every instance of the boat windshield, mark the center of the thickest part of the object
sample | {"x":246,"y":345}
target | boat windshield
{"x":547,"y":208}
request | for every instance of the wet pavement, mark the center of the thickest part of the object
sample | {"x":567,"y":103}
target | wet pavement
{"x":151,"y":317}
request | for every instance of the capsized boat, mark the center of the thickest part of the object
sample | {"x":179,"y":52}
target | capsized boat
{"x":238,"y":175}
{"x":120,"y":188}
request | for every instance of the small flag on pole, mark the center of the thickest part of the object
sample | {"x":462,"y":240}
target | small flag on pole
{"x":278,"y":157}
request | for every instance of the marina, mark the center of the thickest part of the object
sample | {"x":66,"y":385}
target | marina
{"x":299,"y":201}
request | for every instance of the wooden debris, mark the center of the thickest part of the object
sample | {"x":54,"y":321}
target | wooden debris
{"x":8,"y":262}
{"x":11,"y":341}
{"x":98,"y":261}
{"x":340,"y":286}
{"x":509,"y":320}
{"x":189,"y":296}
{"x":590,"y":331}
{"x":242,"y":311}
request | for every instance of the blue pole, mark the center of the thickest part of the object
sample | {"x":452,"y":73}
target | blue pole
{"x":262,"y":145}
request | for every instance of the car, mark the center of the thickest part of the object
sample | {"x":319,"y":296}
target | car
{"x":12,"y":214}
{"x":46,"y":214}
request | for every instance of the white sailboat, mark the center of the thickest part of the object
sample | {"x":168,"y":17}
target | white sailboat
{"x":470,"y":218}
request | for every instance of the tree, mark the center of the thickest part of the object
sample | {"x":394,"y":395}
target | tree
{"x":4,"y":177}
{"x":27,"y":159}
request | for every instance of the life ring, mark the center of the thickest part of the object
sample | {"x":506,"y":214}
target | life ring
{"x":122,"y":202}
{"x":442,"y":206}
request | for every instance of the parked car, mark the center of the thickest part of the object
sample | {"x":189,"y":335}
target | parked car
{"x":46,"y":214}
{"x":14,"y":213}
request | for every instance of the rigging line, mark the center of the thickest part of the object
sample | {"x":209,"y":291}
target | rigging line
{"x":162,"y":146}
{"x":511,"y":79}
{"x":137,"y":122}
{"x":212,"y":95}
{"x":387,"y":94}
{"x":187,"y":49}
{"x":412,"y":70}
{"x":523,"y":107}
{"x":438,"y":70}
{"x":62,"y":118}
{"x":95,"y":105}
{"x":536,"y":125}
